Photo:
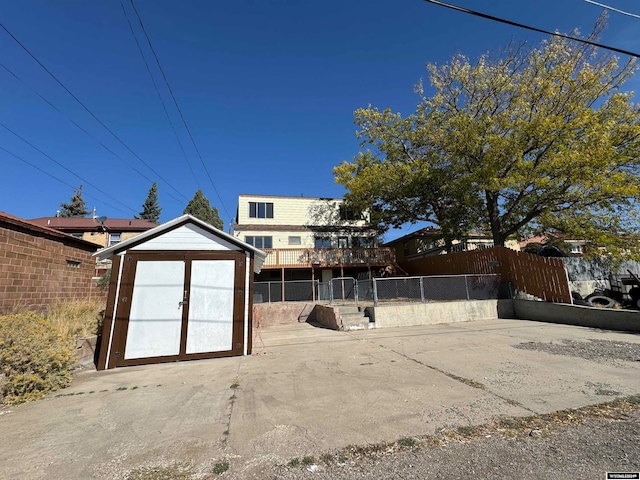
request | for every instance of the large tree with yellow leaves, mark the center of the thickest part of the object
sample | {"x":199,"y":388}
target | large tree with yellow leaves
{"x":529,"y":139}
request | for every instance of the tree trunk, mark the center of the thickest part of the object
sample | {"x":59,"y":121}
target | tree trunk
{"x":448,"y":243}
{"x":493,"y":212}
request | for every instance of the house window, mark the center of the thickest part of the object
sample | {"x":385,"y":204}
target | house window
{"x":77,"y":234}
{"x":323,"y":242}
{"x":576,"y":249}
{"x":295,"y":241}
{"x":366,"y":242}
{"x":260,"y":242}
{"x":260,"y":210}
{"x":348,"y":213}
{"x":343,"y":242}
{"x":114,"y":239}
{"x":73,"y":264}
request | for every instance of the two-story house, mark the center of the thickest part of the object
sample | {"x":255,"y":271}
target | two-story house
{"x":309,"y":238}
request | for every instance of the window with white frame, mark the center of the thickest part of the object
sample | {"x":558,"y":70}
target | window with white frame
{"x":114,"y":239}
{"x":295,"y":240}
{"x":259,"y":242}
{"x":260,"y":210}
{"x":576,"y":249}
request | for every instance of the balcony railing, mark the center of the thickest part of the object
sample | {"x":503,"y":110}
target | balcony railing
{"x":328,"y":257}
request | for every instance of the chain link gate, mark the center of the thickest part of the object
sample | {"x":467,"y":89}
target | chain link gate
{"x":344,"y":289}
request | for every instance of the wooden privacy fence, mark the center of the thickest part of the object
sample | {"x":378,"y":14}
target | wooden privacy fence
{"x":542,"y":277}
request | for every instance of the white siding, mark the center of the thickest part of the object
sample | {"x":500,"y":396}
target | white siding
{"x":280,"y":239}
{"x":294,"y":211}
{"x":186,"y":237}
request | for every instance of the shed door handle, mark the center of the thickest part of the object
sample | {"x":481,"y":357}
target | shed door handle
{"x":182,"y":303}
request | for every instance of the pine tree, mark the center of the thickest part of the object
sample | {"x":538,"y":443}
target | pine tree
{"x":200,"y":208}
{"x":150,"y":208}
{"x":76,"y":208}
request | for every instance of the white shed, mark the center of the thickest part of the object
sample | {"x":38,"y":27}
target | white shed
{"x":180,"y":291}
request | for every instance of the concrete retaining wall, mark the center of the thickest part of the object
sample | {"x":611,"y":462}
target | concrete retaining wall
{"x":327,"y":316}
{"x":440,"y":312}
{"x":86,"y":350}
{"x":562,"y":313}
{"x":267,"y":314}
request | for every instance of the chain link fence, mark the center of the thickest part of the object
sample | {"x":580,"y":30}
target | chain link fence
{"x":382,"y":290}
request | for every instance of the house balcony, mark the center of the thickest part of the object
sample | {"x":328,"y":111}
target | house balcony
{"x":328,"y":257}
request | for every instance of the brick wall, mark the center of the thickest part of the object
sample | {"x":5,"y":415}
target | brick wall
{"x":37,"y":269}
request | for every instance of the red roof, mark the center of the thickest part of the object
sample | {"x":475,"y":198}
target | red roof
{"x":50,"y":232}
{"x":89,"y":224}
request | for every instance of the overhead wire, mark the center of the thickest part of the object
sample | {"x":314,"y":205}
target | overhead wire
{"x":535,"y":29}
{"x":56,"y":178}
{"x":65,"y":167}
{"x":155,"y":85}
{"x":83,"y":130}
{"x":113,"y":134}
{"x":613,"y":9}
{"x":179,"y":110}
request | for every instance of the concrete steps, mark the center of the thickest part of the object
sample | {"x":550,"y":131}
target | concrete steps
{"x":353,"y":317}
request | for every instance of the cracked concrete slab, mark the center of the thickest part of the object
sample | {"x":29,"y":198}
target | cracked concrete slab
{"x":305,"y":391}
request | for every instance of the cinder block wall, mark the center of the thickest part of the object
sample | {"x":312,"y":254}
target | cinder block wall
{"x":36,"y":270}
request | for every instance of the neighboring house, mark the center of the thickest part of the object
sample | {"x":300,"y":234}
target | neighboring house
{"x":40,"y":265}
{"x":428,"y":241}
{"x":307,"y":237}
{"x":574,"y":247}
{"x":106,"y":233}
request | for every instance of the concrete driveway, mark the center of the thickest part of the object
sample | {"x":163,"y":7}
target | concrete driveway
{"x":306,"y":390}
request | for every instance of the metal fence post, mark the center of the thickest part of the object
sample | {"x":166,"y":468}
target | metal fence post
{"x":269,"y":291}
{"x":355,"y":288}
{"x":375,"y":292}
{"x":331,"y":292}
{"x":422,"y":290}
{"x":466,"y":286}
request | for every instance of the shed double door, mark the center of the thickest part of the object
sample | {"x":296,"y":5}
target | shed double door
{"x":180,"y":307}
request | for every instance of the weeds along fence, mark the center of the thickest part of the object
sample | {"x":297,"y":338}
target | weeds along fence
{"x":380,"y":290}
{"x":542,"y":277}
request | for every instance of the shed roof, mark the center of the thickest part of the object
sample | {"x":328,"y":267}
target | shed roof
{"x":33,"y":228}
{"x":259,"y":255}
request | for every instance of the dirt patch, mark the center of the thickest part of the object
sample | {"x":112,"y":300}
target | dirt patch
{"x":595,"y":350}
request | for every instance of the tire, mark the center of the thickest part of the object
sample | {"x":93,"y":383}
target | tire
{"x":601,"y":301}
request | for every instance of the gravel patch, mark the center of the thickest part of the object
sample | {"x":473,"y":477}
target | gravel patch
{"x":595,"y":350}
{"x":571,"y":447}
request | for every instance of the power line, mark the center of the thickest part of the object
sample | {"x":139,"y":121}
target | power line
{"x":164,"y":107}
{"x":64,"y":167}
{"x":180,"y":111}
{"x":56,"y":178}
{"x":87,"y":109}
{"x":83,"y":130}
{"x":535,"y":29}
{"x":613,"y":9}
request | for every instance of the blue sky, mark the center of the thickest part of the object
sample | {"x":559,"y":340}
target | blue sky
{"x":267,"y":87}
